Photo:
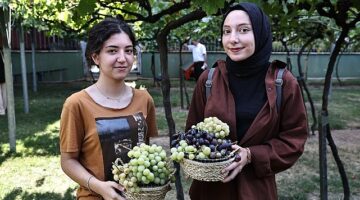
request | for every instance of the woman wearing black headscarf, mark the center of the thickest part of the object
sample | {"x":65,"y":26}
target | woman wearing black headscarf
{"x":243,"y":95}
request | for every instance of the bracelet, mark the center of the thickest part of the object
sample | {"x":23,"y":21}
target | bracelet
{"x":248,"y":156}
{"x":87,"y":183}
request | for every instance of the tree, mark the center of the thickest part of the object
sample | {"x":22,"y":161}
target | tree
{"x":346,"y":14}
{"x":5,"y":28}
{"x":296,"y":28}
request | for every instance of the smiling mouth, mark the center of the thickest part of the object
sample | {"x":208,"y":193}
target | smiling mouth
{"x":236,"y":49}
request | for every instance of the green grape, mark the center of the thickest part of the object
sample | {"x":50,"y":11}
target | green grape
{"x":174,"y":156}
{"x":125,"y":183}
{"x":155,"y":168}
{"x":173,"y":150}
{"x":151,"y":156}
{"x":146,"y":172}
{"x":144,"y":179}
{"x":130,"y":184}
{"x":191,"y":156}
{"x":161,"y":164}
{"x":153,"y":162}
{"x":122,"y":176}
{"x":206,"y":150}
{"x":132,"y":190}
{"x":158,"y":158}
{"x":139,"y":175}
{"x":141,"y":168}
{"x":162,"y":181}
{"x":134,"y":162}
{"x":157,"y":180}
{"x":163,"y":154}
{"x":136,"y":154}
{"x":150,"y":177}
{"x":115,"y":170}
{"x":180,"y":156}
{"x":159,"y":149}
{"x":133,"y":179}
{"x":130,"y":153}
{"x":148,"y":164}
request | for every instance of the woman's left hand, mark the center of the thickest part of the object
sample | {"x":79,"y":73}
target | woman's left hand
{"x":234,"y":168}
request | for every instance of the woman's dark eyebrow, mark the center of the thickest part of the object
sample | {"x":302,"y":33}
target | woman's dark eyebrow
{"x":242,"y":24}
{"x":114,"y":46}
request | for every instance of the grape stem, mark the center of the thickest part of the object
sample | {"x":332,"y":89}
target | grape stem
{"x":125,"y":147}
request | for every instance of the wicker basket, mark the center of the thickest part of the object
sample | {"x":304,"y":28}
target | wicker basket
{"x":209,"y":170}
{"x":149,"y":193}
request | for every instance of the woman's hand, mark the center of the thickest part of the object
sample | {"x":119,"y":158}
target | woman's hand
{"x":72,"y":167}
{"x":109,"y":190}
{"x":235,"y":168}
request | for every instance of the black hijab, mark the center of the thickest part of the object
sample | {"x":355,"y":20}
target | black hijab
{"x":263,"y":41}
{"x":247,"y":77}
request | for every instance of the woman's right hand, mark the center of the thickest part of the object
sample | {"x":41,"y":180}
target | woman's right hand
{"x":109,"y":190}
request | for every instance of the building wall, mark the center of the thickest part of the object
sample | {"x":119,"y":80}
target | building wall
{"x":349,"y":63}
{"x":52,"y":65}
{"x":69,"y":64}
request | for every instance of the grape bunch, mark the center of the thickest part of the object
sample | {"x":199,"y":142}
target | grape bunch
{"x":148,"y":166}
{"x":215,"y":126}
{"x":206,"y":140}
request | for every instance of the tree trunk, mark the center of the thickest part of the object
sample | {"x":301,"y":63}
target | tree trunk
{"x":288,"y":60}
{"x":10,"y":98}
{"x":33,"y":41}
{"x":165,"y":88}
{"x":161,"y":40}
{"x":86,"y":68}
{"x":153,"y":71}
{"x":325,"y":130}
{"x":5,"y":28}
{"x":303,"y":86}
{"x":337,"y":64}
{"x":181,"y":76}
{"x":23,"y":71}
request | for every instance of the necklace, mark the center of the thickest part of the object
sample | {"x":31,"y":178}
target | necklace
{"x":107,"y":97}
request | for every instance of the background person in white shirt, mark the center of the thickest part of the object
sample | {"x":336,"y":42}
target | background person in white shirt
{"x":199,"y":57}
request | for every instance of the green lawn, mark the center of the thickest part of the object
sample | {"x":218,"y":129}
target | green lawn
{"x":34,"y":172}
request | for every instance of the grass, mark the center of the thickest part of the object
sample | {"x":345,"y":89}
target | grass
{"x":34,"y":172}
{"x":342,"y":110}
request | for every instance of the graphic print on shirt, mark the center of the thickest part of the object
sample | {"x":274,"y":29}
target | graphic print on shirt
{"x":116,"y":135}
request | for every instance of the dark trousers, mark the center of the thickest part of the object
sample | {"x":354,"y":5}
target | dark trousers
{"x":197,"y":69}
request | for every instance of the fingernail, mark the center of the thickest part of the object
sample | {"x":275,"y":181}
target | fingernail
{"x":237,"y":158}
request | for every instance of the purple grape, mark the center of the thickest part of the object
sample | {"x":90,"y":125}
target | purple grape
{"x":214,"y":142}
{"x":206,"y":142}
{"x":174,"y":143}
{"x":201,"y":141}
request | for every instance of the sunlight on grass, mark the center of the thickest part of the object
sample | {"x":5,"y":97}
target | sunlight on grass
{"x":38,"y":176}
{"x":34,"y":172}
{"x":55,"y":125}
{"x":34,"y":175}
